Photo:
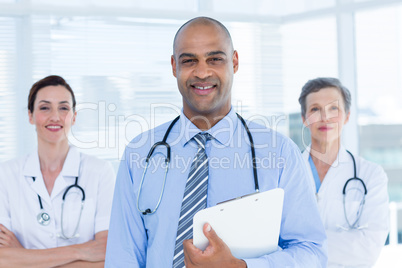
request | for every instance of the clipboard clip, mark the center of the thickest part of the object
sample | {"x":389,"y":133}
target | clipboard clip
{"x":237,"y":198}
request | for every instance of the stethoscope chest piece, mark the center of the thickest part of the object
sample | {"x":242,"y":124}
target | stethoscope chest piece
{"x":43,"y":218}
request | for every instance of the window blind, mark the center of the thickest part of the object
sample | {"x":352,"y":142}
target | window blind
{"x":120,"y":71}
{"x":8,"y":124}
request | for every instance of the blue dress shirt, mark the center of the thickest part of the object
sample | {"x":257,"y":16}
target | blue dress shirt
{"x":137,"y":240}
{"x":315,"y":174}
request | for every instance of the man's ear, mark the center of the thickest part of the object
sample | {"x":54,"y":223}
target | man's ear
{"x":235,"y":61}
{"x":173,"y":63}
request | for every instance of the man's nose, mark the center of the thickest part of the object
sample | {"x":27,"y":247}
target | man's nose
{"x":202,"y":70}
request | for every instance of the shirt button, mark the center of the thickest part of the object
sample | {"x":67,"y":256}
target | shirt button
{"x":51,"y":235}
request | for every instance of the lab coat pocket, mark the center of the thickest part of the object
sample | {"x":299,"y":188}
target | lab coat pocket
{"x":78,"y":217}
{"x":338,"y":216}
{"x":332,"y":214}
{"x":353,"y":212}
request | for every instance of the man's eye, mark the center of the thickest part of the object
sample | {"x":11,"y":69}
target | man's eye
{"x":187,"y":61}
{"x":314,"y":109}
{"x":215,"y":60}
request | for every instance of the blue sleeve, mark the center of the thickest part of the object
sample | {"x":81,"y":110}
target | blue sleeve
{"x":302,"y":236}
{"x":127,"y":241}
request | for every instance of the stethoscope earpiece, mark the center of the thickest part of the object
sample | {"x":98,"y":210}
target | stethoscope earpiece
{"x":147,"y":211}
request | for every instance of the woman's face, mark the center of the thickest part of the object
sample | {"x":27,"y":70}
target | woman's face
{"x":53,"y":114}
{"x":325,"y":115}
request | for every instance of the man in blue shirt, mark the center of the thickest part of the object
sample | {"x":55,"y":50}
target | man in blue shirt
{"x":204,"y":63}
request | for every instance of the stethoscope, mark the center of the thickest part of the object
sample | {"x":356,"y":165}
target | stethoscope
{"x":44,"y":218}
{"x":354,"y":225}
{"x":167,"y":161}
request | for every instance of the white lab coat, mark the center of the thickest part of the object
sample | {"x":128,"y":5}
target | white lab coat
{"x":19,"y":204}
{"x":353,"y":248}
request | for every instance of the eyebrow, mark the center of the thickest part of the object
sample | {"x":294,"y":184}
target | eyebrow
{"x":213,"y":53}
{"x":189,"y":55}
{"x":312,"y":105}
{"x":317,"y":104}
{"x":208,"y":54}
{"x":48,"y":102}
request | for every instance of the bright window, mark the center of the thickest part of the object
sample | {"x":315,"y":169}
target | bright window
{"x":379,"y":81}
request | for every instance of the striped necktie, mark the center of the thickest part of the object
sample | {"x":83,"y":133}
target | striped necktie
{"x":194,"y":198}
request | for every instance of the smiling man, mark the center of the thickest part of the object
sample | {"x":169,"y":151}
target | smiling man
{"x":204,"y":62}
{"x":153,"y":208}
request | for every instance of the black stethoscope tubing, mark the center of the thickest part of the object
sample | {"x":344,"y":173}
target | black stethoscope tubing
{"x":76,"y":186}
{"x":250,"y":137}
{"x":167,"y":161}
{"x":354,"y":225}
{"x":65,"y":192}
{"x":354,"y":176}
{"x":163,"y":143}
{"x":44,"y":218}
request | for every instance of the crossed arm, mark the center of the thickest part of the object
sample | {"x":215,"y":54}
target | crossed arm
{"x":89,"y":254}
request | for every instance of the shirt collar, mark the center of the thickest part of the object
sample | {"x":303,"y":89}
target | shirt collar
{"x":342,"y":157}
{"x":32,"y":166}
{"x":306,"y":153}
{"x":222,"y":132}
{"x":70,"y":168}
{"x":71,"y":165}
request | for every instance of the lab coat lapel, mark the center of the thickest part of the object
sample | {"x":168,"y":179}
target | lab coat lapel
{"x":335,"y":170}
{"x":32,"y":169}
{"x":68,"y":174}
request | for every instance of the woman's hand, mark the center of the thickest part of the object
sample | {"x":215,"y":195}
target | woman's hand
{"x":8,"y":238}
{"x":94,"y":250}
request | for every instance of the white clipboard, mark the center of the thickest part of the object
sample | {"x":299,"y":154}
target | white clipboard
{"x":249,"y":225}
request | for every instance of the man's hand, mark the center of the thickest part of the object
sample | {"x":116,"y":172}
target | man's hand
{"x":217,"y":254}
{"x":8,"y":239}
